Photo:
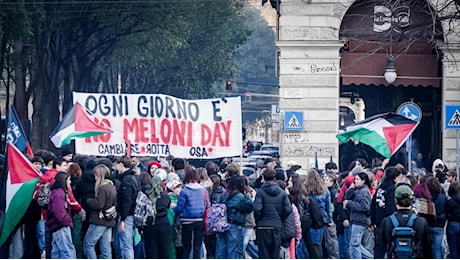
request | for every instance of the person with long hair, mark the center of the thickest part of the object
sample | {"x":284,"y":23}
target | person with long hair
{"x":331,"y":245}
{"x":437,"y":228}
{"x":318,"y":192}
{"x":205,"y":181}
{"x":230,"y":242}
{"x":299,"y":195}
{"x":59,"y":221}
{"x":192,"y":203}
{"x":215,"y":192}
{"x":358,"y":201}
{"x":157,"y":232}
{"x":100,"y":226}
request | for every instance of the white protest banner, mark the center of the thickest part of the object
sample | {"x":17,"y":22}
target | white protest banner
{"x":161,"y":125}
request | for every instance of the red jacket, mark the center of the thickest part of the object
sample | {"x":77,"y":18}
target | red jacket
{"x":48,"y":176}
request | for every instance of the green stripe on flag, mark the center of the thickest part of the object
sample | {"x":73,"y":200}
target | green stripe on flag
{"x":17,"y":208}
{"x":369,"y":137}
{"x":69,"y":138}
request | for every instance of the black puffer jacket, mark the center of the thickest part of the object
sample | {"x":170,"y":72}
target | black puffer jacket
{"x":271,"y":205}
{"x":127,"y":194}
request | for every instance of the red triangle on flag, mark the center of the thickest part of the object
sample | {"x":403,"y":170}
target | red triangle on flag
{"x":20,"y":169}
{"x":83,"y":123}
{"x":396,"y":135}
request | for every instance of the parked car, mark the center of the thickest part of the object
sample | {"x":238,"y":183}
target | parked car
{"x":262,"y":155}
{"x":270,"y":147}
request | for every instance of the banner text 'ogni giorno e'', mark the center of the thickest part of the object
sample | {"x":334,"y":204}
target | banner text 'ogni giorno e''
{"x":161,"y":125}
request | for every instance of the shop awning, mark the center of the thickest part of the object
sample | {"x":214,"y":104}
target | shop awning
{"x":368,"y":68}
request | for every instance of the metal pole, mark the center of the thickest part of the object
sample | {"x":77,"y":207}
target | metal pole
{"x":409,"y":151}
{"x":456,"y":151}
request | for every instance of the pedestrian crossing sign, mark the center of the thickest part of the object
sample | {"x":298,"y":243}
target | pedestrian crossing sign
{"x":293,"y":120}
{"x":452,"y":117}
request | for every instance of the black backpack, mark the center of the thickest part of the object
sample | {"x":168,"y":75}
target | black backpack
{"x":310,"y":211}
{"x":402,"y":242}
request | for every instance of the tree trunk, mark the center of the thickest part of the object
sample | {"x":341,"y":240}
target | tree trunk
{"x":46,"y":113}
{"x":20,"y":97}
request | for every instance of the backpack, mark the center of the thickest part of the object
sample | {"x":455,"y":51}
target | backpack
{"x":304,"y":211}
{"x":43,"y":194}
{"x":402,"y":242}
{"x":216,"y":221}
{"x":316,"y":215}
{"x":288,"y":229}
{"x":143,"y":210}
{"x":144,"y":207}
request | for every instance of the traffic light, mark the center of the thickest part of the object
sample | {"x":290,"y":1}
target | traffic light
{"x":228,"y":85}
{"x":247,"y":97}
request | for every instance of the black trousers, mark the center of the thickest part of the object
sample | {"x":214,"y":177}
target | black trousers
{"x":380,"y":247}
{"x":210,"y":241}
{"x":313,"y":251}
{"x":269,"y":243}
{"x":197,"y":230}
{"x":156,"y":239}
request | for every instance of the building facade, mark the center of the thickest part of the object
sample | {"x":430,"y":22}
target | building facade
{"x":332,"y":60}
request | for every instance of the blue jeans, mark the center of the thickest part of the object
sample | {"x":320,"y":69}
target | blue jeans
{"x":62,"y":244}
{"x":95,"y":233}
{"x":41,"y":235}
{"x":124,"y":242}
{"x":437,"y":234}
{"x":317,"y":238}
{"x":453,"y":239}
{"x":248,"y":244}
{"x":344,"y":243}
{"x":357,"y":250}
{"x":230,"y":243}
{"x":301,"y":251}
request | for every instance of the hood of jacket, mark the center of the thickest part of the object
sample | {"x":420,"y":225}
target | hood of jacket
{"x":437,"y":162}
{"x":194,"y":186}
{"x":271,"y":188}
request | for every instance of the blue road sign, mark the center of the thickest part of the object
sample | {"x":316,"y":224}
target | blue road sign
{"x":410,"y":110}
{"x":293,"y":121}
{"x":452,"y":116}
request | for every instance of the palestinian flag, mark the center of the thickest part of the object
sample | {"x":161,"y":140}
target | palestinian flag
{"x":385,"y":133}
{"x":76,"y":124}
{"x":21,"y":179}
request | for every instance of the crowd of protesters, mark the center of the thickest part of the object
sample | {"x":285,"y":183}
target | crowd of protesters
{"x":272,"y":212}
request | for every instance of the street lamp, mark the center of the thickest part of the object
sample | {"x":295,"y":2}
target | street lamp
{"x":390,"y":71}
